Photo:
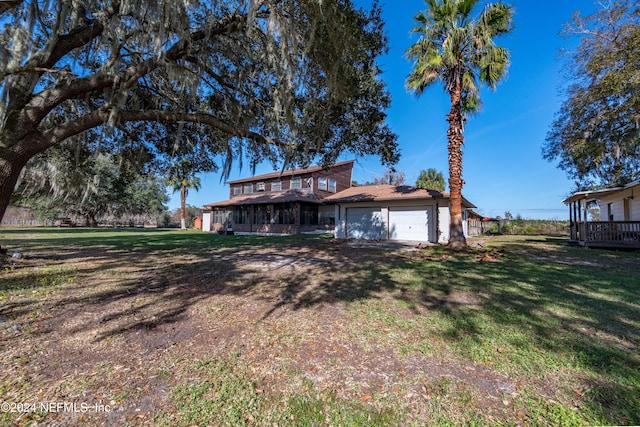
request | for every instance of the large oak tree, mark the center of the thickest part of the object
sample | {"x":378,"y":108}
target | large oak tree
{"x":595,"y":136}
{"x":282,"y":80}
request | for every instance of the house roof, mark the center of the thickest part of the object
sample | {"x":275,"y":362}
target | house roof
{"x":595,"y":194}
{"x":264,"y":198}
{"x":475,"y":215}
{"x":281,"y":174}
{"x":379,"y":193}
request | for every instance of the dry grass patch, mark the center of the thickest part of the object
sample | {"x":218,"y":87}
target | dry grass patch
{"x":174,"y":328}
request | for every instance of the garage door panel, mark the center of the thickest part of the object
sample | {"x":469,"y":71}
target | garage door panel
{"x":409,"y":223}
{"x":365,"y":223}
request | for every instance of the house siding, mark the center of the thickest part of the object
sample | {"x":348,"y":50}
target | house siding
{"x":341,"y":173}
{"x":278,"y":228}
{"x":444,"y":221}
{"x":617,"y":201}
{"x":332,"y":207}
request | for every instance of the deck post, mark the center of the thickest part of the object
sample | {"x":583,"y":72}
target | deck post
{"x":585,"y":209}
{"x":573,"y":231}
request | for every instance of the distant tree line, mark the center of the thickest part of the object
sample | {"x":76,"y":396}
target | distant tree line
{"x":71,"y":180}
{"x":531,"y":226}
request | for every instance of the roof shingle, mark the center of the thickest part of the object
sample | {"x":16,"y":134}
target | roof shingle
{"x":261,"y":199}
{"x":379,"y":193}
{"x":286,"y":173}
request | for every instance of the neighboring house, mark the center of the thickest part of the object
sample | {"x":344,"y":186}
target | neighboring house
{"x":619,"y":214}
{"x":285,"y":202}
{"x":315,"y":199}
{"x":479,"y":224}
{"x":388,"y":212}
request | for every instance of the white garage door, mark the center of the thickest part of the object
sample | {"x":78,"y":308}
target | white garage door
{"x":409,"y":223}
{"x":365,"y":223}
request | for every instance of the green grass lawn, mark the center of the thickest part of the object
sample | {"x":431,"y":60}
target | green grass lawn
{"x":305,"y":330}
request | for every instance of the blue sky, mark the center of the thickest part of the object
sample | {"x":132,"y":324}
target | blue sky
{"x":503,"y":165}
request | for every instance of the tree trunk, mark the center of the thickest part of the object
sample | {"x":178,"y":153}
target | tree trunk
{"x":183,"y":207}
{"x":457,"y":239}
{"x":11,"y":164}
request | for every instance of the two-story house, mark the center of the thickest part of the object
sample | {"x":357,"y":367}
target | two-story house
{"x":285,"y":202}
{"x":315,"y":199}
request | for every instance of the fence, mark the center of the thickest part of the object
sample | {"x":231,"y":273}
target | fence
{"x":19,"y":216}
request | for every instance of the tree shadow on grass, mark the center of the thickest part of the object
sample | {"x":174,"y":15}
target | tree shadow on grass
{"x":553,"y":303}
{"x":119,"y":291}
{"x":574,"y":311}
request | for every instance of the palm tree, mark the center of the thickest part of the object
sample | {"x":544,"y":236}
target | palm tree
{"x":431,"y":179}
{"x":181,"y":178}
{"x":458,"y":50}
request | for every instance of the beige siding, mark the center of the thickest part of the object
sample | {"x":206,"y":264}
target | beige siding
{"x":444,"y":219}
{"x":635,"y":209}
{"x":617,"y":203}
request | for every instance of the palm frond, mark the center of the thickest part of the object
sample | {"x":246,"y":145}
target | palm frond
{"x":466,"y":6}
{"x":493,"y":63}
{"x":496,"y":19}
{"x":458,"y":50}
{"x":471,"y":104}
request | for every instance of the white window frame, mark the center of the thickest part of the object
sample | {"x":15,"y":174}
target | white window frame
{"x":333,"y":186}
{"x":308,"y":182}
{"x":248,"y":188}
{"x":298,"y":181}
{"x":237,"y":189}
{"x":276,"y":185}
{"x":323,"y":183}
{"x":260,"y":186}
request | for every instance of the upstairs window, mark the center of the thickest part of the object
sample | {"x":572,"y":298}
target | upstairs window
{"x":308,"y":182}
{"x":296,"y":183}
{"x":248,"y":189}
{"x":260,"y":186}
{"x":322,"y":184}
{"x":332,"y":185}
{"x":237,"y":189}
{"x":276,"y":186}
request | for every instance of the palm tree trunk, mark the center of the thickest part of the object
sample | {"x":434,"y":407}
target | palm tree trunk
{"x":455,"y":118}
{"x":183,"y":207}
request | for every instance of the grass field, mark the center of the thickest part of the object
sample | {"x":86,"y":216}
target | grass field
{"x":154,"y":327}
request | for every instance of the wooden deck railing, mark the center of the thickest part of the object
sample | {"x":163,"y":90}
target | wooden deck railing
{"x":622,"y":234}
